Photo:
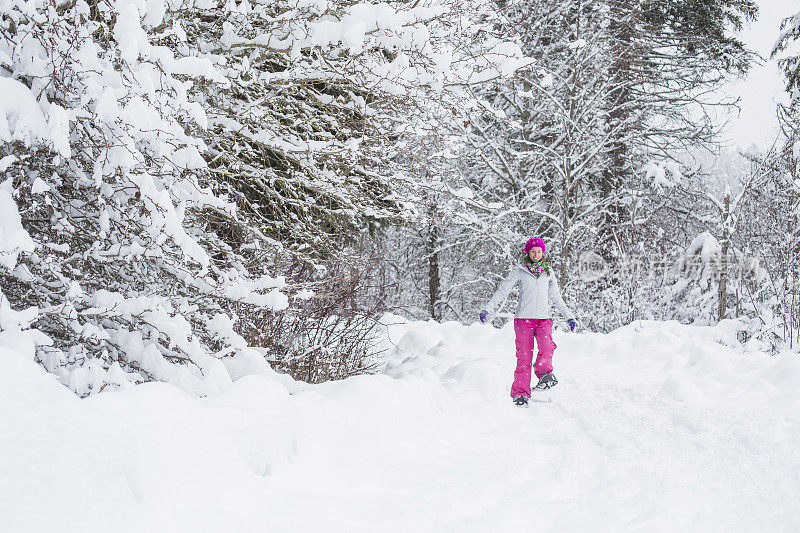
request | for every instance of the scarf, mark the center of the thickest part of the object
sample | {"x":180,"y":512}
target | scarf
{"x":538,"y":267}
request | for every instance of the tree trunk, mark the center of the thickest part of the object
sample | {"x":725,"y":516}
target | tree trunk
{"x":434,"y":280}
{"x":617,"y":169}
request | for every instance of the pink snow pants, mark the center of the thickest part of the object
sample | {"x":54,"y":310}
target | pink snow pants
{"x":526,"y":330}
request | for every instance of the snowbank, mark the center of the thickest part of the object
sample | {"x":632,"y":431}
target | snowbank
{"x":655,"y":426}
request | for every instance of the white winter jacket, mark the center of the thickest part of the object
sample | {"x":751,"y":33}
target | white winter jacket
{"x":535,"y":294}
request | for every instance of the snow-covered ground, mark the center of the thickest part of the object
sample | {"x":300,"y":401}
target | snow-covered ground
{"x":656,"y":427}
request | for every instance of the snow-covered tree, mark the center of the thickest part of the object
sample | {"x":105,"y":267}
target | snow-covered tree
{"x":122,"y":273}
{"x":507,"y":168}
{"x":668,"y":56}
{"x":778,"y":209}
{"x":156,"y":155}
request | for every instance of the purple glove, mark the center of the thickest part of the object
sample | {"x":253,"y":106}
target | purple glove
{"x":572,"y":324}
{"x":484,"y":314}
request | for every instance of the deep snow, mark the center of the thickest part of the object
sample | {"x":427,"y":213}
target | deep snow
{"x":656,"y":426}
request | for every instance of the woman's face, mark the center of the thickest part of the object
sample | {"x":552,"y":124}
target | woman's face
{"x":535,"y":254}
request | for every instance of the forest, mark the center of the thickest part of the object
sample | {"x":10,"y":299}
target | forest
{"x":193,"y":191}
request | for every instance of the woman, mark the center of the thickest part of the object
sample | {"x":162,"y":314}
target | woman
{"x":533,"y":319}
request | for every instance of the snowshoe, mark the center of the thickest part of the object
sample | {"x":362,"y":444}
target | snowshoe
{"x":548,"y":381}
{"x":521,"y":401}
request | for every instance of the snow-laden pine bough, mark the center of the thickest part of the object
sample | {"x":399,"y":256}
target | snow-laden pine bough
{"x":162,"y":163}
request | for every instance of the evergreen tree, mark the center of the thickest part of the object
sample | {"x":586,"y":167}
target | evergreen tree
{"x":669,"y":55}
{"x":156,"y":158}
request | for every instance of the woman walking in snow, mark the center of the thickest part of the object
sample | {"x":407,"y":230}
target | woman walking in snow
{"x":533,"y":319}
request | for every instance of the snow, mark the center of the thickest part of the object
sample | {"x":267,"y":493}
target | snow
{"x":655,"y":426}
{"x":706,"y":246}
{"x":580,"y":43}
{"x":13,"y":237}
{"x":22,"y":119}
{"x":304,"y":294}
{"x":657,"y":171}
{"x":128,"y":32}
{"x":6,"y":162}
{"x":465,"y":193}
{"x":221,"y":326}
{"x":39,"y":186}
{"x":188,"y":158}
{"x":547,"y":81}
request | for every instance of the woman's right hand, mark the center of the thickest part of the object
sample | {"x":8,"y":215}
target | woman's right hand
{"x":484,"y":314}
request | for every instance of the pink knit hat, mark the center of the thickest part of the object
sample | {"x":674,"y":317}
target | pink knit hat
{"x":533,"y":242}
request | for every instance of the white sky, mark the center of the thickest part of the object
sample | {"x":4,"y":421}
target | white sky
{"x":756,"y":123}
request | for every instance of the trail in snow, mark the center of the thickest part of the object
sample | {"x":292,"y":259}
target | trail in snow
{"x":655,"y":426}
